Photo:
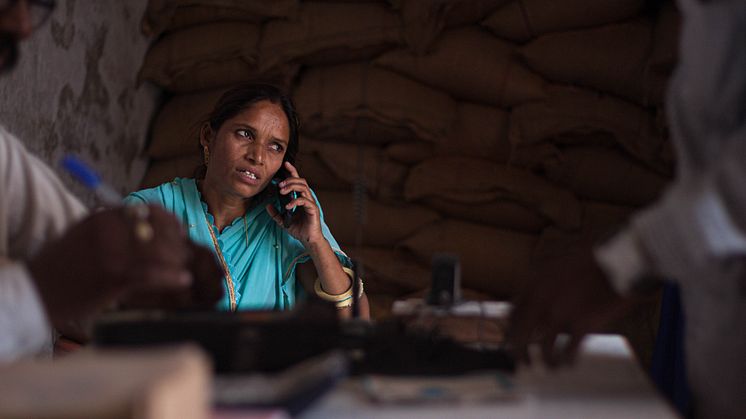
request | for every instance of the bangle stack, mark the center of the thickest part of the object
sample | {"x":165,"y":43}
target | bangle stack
{"x":342,"y":300}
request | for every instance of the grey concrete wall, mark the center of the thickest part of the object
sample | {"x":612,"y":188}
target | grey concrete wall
{"x":73,"y":90}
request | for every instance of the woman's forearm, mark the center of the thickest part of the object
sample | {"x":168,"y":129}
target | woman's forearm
{"x":333,"y":278}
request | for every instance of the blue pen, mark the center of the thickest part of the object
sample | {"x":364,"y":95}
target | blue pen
{"x":90,"y":179}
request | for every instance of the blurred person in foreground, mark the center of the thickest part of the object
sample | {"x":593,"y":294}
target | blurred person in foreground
{"x":60,"y":266}
{"x":695,"y":235}
{"x":249,"y":142}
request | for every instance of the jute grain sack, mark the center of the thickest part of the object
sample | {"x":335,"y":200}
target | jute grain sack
{"x":176,"y":128}
{"x":664,"y":55}
{"x":380,"y":305}
{"x":423,"y":21}
{"x":199,"y":49}
{"x":410,"y":152}
{"x":492,"y":260}
{"x":600,"y":220}
{"x":364,"y":103}
{"x":330,"y":33}
{"x":317,"y":173}
{"x":479,"y":131}
{"x":613,"y":58}
{"x":554,"y":243}
{"x":472,"y":65}
{"x":383,"y":178}
{"x":570,"y":112}
{"x":383,"y":225}
{"x":605,"y":175}
{"x":187,"y":16}
{"x":599,"y":217}
{"x":532,"y":157}
{"x":501,"y":214}
{"x":231,"y":72}
{"x":161,"y":171}
{"x":521,"y":20}
{"x":165,"y":15}
{"x":391,"y":271}
{"x":474,"y":181}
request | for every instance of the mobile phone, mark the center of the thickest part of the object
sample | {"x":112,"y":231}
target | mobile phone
{"x":286,"y":214}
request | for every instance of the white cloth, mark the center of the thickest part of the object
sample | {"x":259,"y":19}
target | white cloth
{"x":696,"y":234}
{"x":34,"y":207}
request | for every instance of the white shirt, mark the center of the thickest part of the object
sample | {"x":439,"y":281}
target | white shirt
{"x":34,"y":207}
{"x":696,"y":234}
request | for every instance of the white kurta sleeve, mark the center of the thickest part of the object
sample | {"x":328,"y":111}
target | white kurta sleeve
{"x":34,"y":207}
{"x":701,"y":220}
{"x":23,"y":323}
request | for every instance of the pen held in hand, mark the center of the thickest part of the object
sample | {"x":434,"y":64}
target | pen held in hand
{"x":90,"y":179}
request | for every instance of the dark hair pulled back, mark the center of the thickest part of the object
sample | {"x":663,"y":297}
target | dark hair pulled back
{"x":242,"y":97}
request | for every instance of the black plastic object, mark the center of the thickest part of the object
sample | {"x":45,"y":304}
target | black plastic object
{"x":237,"y":342}
{"x":445,"y":286}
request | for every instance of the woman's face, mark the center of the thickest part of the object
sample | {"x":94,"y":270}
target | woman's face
{"x":247,"y":150}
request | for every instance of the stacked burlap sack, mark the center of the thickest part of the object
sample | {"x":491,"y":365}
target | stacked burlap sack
{"x":499,"y":130}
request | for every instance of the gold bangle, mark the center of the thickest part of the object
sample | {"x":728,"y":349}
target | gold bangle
{"x":345,"y":297}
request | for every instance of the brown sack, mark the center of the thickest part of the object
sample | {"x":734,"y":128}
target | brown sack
{"x":383,"y":225}
{"x":473,"y":181}
{"x":492,"y":260}
{"x":330,"y":33}
{"x":317,"y":173}
{"x":389,"y":271}
{"x":174,"y":58}
{"x":605,"y":175}
{"x":176,"y":128}
{"x":424,"y":20}
{"x":383,"y":178}
{"x":358,"y":102}
{"x":521,"y":20}
{"x":166,"y":15}
{"x":501,"y":214}
{"x":472,"y":65}
{"x":554,"y":243}
{"x":664,"y":55}
{"x":612,"y":59}
{"x":411,"y":152}
{"x":600,"y":219}
{"x":570,"y":112}
{"x":188,"y":16}
{"x":380,"y":305}
{"x":231,"y":72}
{"x":161,"y":171}
{"x":480,"y":131}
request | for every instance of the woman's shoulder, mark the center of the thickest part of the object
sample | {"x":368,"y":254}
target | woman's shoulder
{"x":163,"y":193}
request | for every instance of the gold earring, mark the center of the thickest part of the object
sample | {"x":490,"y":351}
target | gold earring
{"x":207,"y":155}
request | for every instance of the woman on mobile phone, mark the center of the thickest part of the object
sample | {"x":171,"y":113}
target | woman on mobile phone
{"x":238,"y":202}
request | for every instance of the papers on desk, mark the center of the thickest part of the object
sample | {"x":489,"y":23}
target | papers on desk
{"x":292,"y":389}
{"x":469,"y":388}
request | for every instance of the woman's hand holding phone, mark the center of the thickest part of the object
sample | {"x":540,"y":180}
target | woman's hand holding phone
{"x":299,"y":207}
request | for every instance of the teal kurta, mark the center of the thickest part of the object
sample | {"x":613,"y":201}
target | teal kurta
{"x":264,"y":270}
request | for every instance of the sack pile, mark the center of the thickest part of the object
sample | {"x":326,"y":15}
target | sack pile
{"x":502,"y":131}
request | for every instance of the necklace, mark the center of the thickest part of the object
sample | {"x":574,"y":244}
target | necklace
{"x":228,"y":278}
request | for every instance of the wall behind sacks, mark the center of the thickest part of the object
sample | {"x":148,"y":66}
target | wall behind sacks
{"x":73,"y":90}
{"x":465,"y":131}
